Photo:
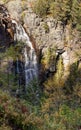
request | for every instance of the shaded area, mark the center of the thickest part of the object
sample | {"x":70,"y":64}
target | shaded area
{"x":6,"y":31}
{"x":12,"y":77}
{"x":59,"y":90}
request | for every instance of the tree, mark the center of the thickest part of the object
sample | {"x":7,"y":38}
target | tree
{"x":76,"y":14}
{"x":41,"y":7}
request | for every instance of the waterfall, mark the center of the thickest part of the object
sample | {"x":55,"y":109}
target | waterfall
{"x":30,"y":67}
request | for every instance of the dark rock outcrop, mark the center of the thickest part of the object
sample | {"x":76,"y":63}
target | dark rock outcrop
{"x":6,"y":31}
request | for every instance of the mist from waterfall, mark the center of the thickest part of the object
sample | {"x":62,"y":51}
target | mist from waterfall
{"x":30,"y":68}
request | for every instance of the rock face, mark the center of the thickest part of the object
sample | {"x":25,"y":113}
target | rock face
{"x":18,"y":35}
{"x":47,"y":32}
{"x":30,"y":59}
{"x":6,"y":32}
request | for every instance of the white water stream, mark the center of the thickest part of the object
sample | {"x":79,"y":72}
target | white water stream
{"x":30,"y":68}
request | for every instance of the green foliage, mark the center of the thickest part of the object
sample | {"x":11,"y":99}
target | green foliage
{"x":61,"y":6}
{"x":46,"y":27}
{"x":61,"y":103}
{"x":33,"y":92}
{"x":68,"y":11}
{"x":41,"y":7}
{"x":73,"y":80}
{"x":60,"y":69}
{"x":58,"y":109}
{"x":64,"y":118}
{"x":17,"y":114}
{"x":49,"y":58}
{"x":14,"y":114}
{"x":15,"y":51}
{"x":53,"y":89}
{"x":8,"y":80}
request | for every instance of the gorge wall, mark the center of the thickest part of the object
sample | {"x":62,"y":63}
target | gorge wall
{"x":48,"y":34}
{"x":23,"y":60}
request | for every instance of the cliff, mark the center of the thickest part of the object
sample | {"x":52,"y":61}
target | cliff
{"x":50,"y":36}
{"x":40,"y":66}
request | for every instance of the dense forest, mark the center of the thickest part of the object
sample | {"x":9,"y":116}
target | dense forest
{"x":50,"y":101}
{"x":68,"y":11}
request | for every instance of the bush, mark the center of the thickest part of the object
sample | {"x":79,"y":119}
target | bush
{"x":33,"y":92}
{"x":70,"y":11}
{"x":14,"y":114}
{"x":64,"y":118}
{"x":41,"y":7}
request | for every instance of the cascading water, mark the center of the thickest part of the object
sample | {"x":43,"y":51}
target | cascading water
{"x":29,"y":53}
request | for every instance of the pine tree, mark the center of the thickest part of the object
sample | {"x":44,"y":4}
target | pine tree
{"x":61,"y":9}
{"x":76,"y":14}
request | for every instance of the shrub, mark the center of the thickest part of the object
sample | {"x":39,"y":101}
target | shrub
{"x":64,"y":118}
{"x":14,"y":114}
{"x":33,"y":92}
{"x":70,"y":11}
{"x":46,"y":27}
{"x":41,"y":7}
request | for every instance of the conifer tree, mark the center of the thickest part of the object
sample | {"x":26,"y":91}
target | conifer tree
{"x":76,"y":14}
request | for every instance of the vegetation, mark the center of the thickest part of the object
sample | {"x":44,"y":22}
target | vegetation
{"x":56,"y":103}
{"x":68,"y":11}
{"x":46,"y":27}
{"x":8,"y":77}
{"x":62,"y":99}
{"x":15,"y":114}
{"x":33,"y":92}
{"x":41,"y":7}
{"x":58,"y":107}
{"x":49,"y":58}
